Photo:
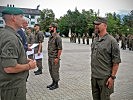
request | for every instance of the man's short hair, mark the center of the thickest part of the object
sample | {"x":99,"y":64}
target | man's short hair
{"x":37,"y":25}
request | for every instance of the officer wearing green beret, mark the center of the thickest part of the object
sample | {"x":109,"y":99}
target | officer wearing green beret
{"x":14,"y":65}
{"x":105,"y":59}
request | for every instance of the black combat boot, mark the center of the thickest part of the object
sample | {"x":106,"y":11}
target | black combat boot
{"x":51,"y":84}
{"x":55,"y":86}
{"x":38,"y":72}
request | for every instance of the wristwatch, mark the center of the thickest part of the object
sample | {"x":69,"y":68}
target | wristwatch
{"x":113,"y":77}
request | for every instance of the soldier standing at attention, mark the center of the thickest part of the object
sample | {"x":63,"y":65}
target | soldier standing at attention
{"x":83,"y":38}
{"x":79,"y":38}
{"x":75,"y":36}
{"x":14,"y":66}
{"x":54,"y":53}
{"x":123,"y":42}
{"x":39,"y":37}
{"x":87,"y":38}
{"x":30,"y":39}
{"x":105,"y":59}
{"x":30,"y":36}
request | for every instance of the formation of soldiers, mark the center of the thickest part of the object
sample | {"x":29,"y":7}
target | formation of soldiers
{"x":126,"y":42}
{"x":85,"y":37}
{"x":73,"y":37}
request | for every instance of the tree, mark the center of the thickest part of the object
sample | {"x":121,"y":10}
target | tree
{"x":83,"y":22}
{"x":78,"y":22}
{"x":90,"y":18}
{"x":47,"y":16}
{"x":114,"y":23}
{"x":63,"y":25}
{"x":128,"y":23}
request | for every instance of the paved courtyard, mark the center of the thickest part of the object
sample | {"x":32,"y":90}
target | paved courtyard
{"x":75,"y":76}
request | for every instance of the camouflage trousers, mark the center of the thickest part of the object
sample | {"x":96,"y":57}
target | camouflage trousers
{"x":100,"y":91}
{"x":54,"y":69}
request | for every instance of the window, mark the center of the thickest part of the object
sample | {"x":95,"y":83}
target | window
{"x":32,"y":17}
{"x":32,"y":23}
{"x":26,"y":15}
{"x":0,"y":14}
{"x":1,"y":22}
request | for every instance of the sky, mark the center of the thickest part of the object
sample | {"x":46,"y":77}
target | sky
{"x":60,"y":7}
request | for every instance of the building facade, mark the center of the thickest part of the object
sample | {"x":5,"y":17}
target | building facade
{"x":31,"y":15}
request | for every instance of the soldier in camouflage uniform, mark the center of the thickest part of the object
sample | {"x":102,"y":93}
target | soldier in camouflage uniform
{"x":105,"y":59}
{"x":128,"y":40}
{"x":39,"y":37}
{"x":79,"y":38}
{"x":14,"y":65}
{"x":123,"y":42}
{"x":83,"y":38}
{"x":72,"y":37}
{"x":54,"y":53}
{"x":30,"y":39}
{"x":132,"y":42}
{"x":75,"y":37}
{"x":87,"y":38}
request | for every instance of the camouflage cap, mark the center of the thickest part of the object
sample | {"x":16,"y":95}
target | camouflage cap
{"x":100,"y":20}
{"x":12,"y":11}
{"x":37,"y":25}
{"x":54,"y":25}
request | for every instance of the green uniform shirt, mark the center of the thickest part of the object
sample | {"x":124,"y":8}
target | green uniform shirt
{"x":54,"y":44}
{"x":39,"y":37}
{"x":30,"y":38}
{"x":105,"y":52}
{"x":11,"y":53}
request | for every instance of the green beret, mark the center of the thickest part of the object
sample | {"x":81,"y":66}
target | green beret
{"x":12,"y":11}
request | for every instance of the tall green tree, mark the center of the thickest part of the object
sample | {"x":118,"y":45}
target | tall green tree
{"x":113,"y":23}
{"x":74,"y":20}
{"x":47,"y":16}
{"x":90,"y":17}
{"x":63,"y":25}
{"x":128,"y":23}
{"x":83,"y":22}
